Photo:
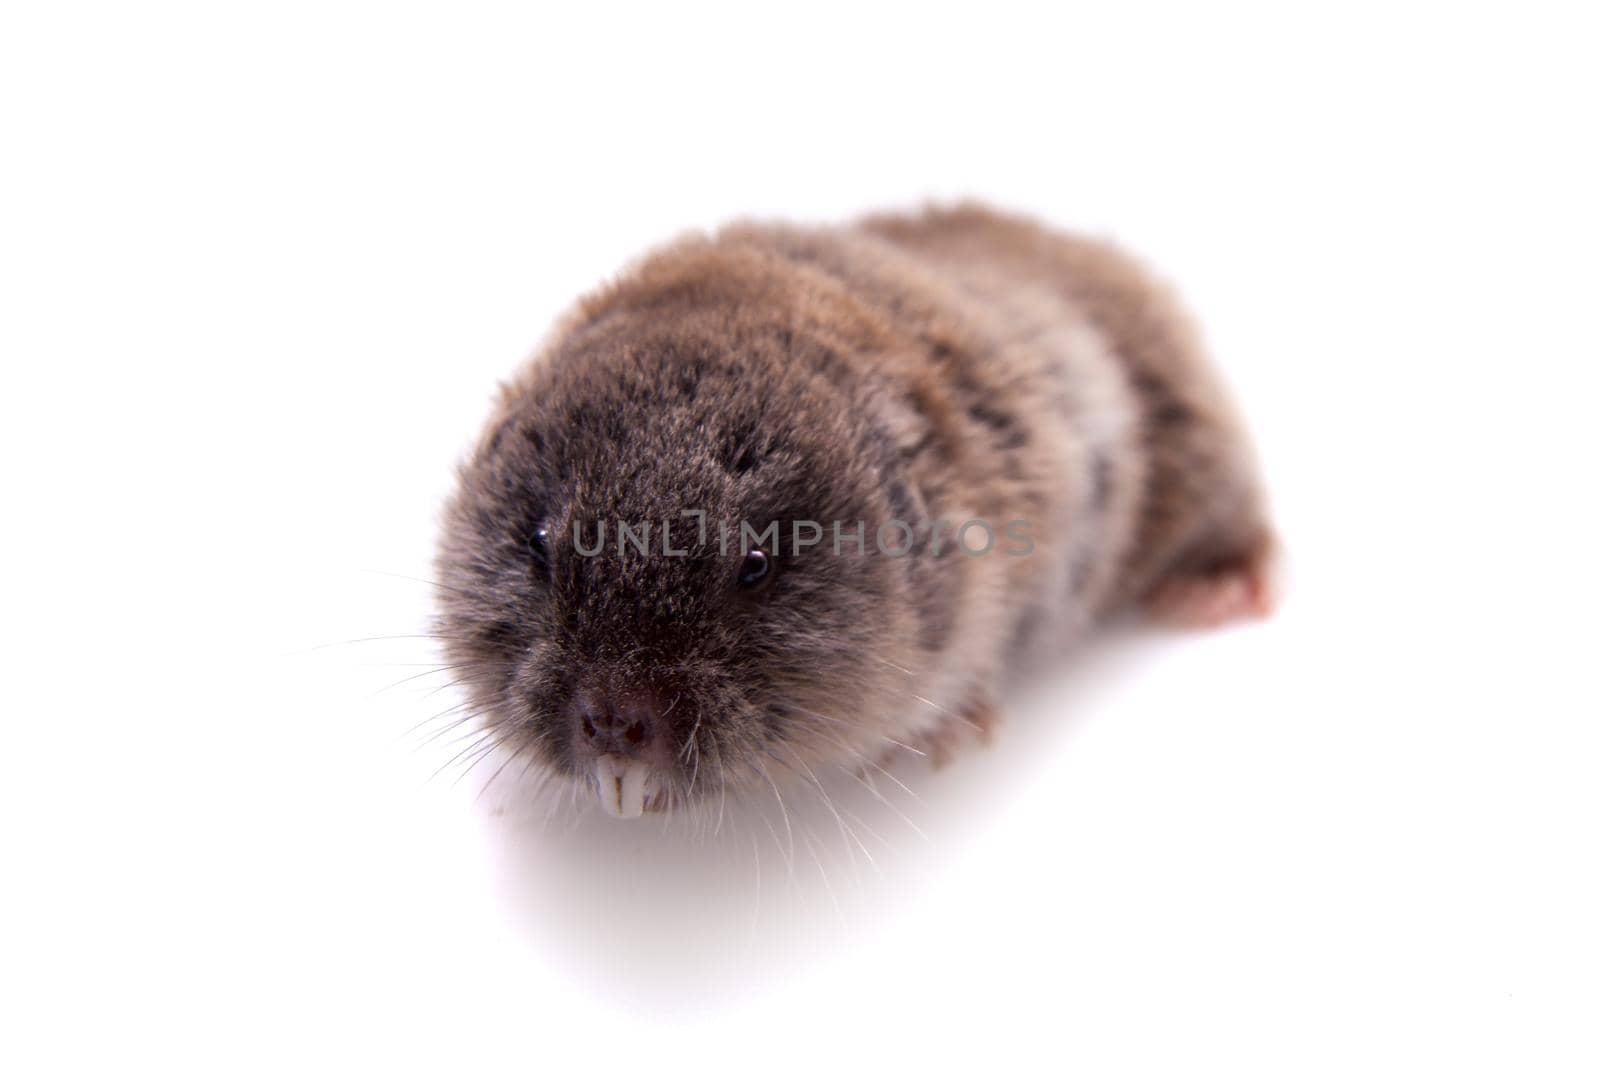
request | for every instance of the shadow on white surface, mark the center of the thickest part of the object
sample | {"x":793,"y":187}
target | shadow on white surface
{"x":664,"y":915}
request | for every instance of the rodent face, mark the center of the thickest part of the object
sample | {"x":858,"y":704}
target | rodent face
{"x":667,"y":678}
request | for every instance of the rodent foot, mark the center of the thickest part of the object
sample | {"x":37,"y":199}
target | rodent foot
{"x":1242,"y":590}
{"x":975,"y":721}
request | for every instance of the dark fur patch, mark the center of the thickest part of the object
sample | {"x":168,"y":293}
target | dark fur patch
{"x":743,"y":448}
{"x":1011,"y":434}
{"x":902,"y":505}
{"x":1024,"y":632}
{"x":937,"y":582}
{"x":1100,"y":483}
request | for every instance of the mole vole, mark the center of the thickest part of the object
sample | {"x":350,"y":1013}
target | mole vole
{"x":787,"y":496}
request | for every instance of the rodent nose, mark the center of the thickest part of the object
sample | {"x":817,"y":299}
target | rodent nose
{"x":620,"y":724}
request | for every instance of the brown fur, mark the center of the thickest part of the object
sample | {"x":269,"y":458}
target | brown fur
{"x":953,"y":364}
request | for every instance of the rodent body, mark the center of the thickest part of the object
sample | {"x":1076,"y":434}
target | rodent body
{"x":970,"y":379}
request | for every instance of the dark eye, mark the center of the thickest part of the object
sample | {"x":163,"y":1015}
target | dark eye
{"x":756,"y":570}
{"x":539,"y":545}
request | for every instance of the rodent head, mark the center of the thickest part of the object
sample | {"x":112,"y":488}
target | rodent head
{"x":698,"y":661}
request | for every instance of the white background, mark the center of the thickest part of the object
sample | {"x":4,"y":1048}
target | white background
{"x":262,"y":267}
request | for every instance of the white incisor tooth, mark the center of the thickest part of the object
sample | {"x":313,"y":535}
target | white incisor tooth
{"x":620,"y":783}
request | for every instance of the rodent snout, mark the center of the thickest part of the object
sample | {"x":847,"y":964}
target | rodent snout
{"x":617,"y":724}
{"x":622,"y":731}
